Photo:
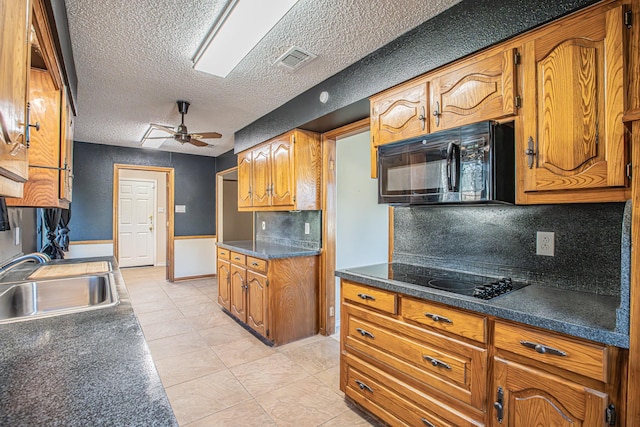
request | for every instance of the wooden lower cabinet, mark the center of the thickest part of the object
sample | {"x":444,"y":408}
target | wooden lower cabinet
{"x":527,"y":396}
{"x":412,"y":362}
{"x":276,"y":298}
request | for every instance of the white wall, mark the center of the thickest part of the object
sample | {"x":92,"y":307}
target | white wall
{"x":194,"y":257}
{"x":86,"y":250}
{"x":362,"y":226}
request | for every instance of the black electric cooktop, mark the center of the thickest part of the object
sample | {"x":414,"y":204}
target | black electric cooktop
{"x":477,"y":286}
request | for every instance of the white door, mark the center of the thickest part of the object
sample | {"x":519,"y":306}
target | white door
{"x":136,"y":229}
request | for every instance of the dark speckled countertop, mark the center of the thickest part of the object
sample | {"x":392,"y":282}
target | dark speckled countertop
{"x":266,"y":250}
{"x":579,"y":314}
{"x":84,"y":369}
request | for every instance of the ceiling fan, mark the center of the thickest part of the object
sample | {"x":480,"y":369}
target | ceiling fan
{"x":181,"y":134}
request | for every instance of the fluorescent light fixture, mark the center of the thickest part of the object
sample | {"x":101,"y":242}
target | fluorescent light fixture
{"x":241,"y":26}
{"x":154,"y":138}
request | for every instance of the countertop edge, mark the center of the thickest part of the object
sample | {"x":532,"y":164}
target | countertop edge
{"x":283,"y":252}
{"x":603,"y":336}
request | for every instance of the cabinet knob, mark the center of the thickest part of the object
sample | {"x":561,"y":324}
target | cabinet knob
{"x":422,"y":118}
{"x":530,"y":152}
{"x":436,"y":113}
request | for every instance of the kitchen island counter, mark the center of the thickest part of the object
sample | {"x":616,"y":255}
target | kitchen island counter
{"x":267,"y":250}
{"x":579,"y":314}
{"x":88,"y":368}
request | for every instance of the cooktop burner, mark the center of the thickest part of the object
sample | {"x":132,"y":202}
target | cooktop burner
{"x":477,"y":286}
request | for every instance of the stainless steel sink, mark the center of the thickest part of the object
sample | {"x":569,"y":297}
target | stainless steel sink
{"x":35,"y":299}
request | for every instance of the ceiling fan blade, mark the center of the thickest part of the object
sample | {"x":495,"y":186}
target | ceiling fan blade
{"x":206,"y":135}
{"x":198,"y":143}
{"x":164,"y":128}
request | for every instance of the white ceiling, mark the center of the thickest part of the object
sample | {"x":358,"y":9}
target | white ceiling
{"x":134,"y":60}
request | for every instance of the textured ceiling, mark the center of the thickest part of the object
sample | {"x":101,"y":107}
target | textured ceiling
{"x":134,"y":60}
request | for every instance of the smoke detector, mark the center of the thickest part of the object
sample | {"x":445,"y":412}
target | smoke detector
{"x":294,"y":58}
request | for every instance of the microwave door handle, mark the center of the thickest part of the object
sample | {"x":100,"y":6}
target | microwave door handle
{"x":449,"y":159}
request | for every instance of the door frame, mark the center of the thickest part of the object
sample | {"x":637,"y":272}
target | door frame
{"x":220,"y":201}
{"x":327,"y":291}
{"x":170,"y":270}
{"x":155,"y":211}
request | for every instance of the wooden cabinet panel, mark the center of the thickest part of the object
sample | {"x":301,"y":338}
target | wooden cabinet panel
{"x":224,"y":254}
{"x":399,"y":113}
{"x":533,"y":397}
{"x":261,"y":176}
{"x":238,"y":292}
{"x":238,"y":258}
{"x":14,"y":66}
{"x":257,"y":303}
{"x":282,"y":178}
{"x":395,"y":402}
{"x":245,"y":179}
{"x":590,"y":360}
{"x":485,"y":89}
{"x":370,"y":297}
{"x":574,"y":101}
{"x":66,"y":148}
{"x":256,"y":264}
{"x":443,"y":318}
{"x":224,"y":283}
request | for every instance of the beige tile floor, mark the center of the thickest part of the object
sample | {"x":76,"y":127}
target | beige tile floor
{"x":216,"y":373}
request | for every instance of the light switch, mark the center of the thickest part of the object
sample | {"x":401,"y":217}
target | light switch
{"x":306,"y":228}
{"x":160,"y":209}
{"x":181,"y":208}
{"x":17,"y":235}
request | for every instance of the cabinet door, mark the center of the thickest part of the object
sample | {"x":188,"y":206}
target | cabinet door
{"x":534,"y":398}
{"x":244,"y":179}
{"x":482,"y":90}
{"x":224,"y":284}
{"x":66,"y":148}
{"x":574,"y":101}
{"x":399,"y":113}
{"x":14,"y":57}
{"x":261,"y":176}
{"x":257,"y":303}
{"x":238,"y":292}
{"x":282,"y":173}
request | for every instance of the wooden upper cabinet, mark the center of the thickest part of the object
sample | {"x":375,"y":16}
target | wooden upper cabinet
{"x":399,"y":113}
{"x":244,"y":179}
{"x":485,"y":89}
{"x":66,"y":148}
{"x":14,"y":70}
{"x":573,"y":106}
{"x":282,"y":174}
{"x":528,"y":396}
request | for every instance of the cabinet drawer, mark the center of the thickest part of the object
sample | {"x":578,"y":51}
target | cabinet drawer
{"x":452,"y":368}
{"x":403,"y":404}
{"x":443,"y":318}
{"x":371,"y":297}
{"x":238,"y":258}
{"x":224,"y":254}
{"x":583,"y":358}
{"x":256,"y":263}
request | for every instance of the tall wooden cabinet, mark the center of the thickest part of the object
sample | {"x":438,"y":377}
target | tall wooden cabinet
{"x":14,"y":69}
{"x":574,"y":101}
{"x":281,"y":174}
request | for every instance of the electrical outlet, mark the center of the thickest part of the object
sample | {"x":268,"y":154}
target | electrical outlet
{"x":545,"y":243}
{"x":331,"y":311}
{"x":307,"y":230}
{"x":264,"y":225}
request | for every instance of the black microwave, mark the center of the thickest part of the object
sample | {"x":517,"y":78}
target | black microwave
{"x":469,"y":164}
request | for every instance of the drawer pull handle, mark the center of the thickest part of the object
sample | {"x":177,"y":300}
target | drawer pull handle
{"x":255,"y":264}
{"x":427,"y":423}
{"x":437,"y":318}
{"x":365,"y":333}
{"x":543,"y":349}
{"x":363,"y":386}
{"x":366,"y":297}
{"x":435,"y":362}
{"x":237,"y":258}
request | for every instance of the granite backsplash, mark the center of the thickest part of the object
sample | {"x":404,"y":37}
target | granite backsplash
{"x":288,"y":228}
{"x":501,"y":240}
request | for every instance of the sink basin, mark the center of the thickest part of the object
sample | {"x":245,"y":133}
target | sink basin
{"x":35,"y":299}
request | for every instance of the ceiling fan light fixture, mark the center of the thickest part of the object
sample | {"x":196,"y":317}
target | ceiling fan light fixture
{"x":152,"y":138}
{"x":240,"y":27}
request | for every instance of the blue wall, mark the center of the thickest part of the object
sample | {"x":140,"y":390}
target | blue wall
{"x":92,"y":205}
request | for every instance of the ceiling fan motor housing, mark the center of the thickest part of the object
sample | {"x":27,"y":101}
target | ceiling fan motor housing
{"x":183,"y":107}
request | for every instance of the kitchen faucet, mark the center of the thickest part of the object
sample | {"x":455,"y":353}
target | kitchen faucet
{"x":38,"y":257}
